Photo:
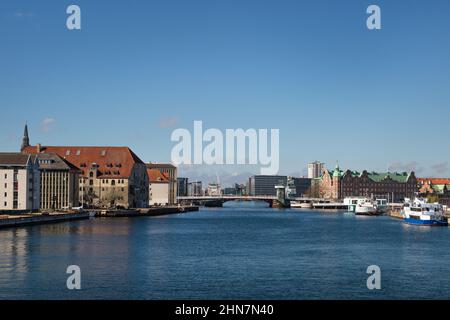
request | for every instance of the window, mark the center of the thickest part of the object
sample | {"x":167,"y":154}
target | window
{"x":91,"y":174}
{"x":113,"y":182}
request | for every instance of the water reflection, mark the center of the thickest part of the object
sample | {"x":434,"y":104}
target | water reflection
{"x":227,"y":253}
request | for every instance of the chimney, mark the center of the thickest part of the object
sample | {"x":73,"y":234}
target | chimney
{"x":38,"y":148}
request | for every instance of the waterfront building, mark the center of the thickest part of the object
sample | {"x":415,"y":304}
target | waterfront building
{"x":182,"y":187}
{"x":264,"y":185}
{"x":170,"y":171}
{"x":59,"y":182}
{"x":195,"y":189}
{"x":298,"y":187}
{"x":315,"y":169}
{"x":214,"y":190}
{"x":393,"y":186}
{"x":439,"y":187}
{"x":158,"y":188}
{"x":19,"y":182}
{"x":109,"y":176}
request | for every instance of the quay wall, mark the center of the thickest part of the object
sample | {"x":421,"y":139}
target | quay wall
{"x":20,"y":221}
{"x":147,"y":212}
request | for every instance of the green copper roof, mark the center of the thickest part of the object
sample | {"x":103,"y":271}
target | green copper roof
{"x":380,"y":176}
{"x":337,"y":172}
{"x":439,"y":188}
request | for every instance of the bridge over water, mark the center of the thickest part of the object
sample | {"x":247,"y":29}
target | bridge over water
{"x":218,"y":201}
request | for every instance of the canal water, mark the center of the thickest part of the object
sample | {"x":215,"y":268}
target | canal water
{"x":227,"y":253}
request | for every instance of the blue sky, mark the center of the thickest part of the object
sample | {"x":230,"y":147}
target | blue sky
{"x":139,"y":69}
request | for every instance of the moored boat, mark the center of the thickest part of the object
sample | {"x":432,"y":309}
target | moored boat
{"x":419,"y":212}
{"x":351,"y":202}
{"x":366,"y":207}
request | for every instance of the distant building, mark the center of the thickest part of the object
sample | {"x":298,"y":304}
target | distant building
{"x":393,"y":186}
{"x":195,"y":189}
{"x":237,"y":190}
{"x":182,"y":187}
{"x":19,"y":182}
{"x":109,"y":176}
{"x":214,"y":190}
{"x":439,"y":187}
{"x":170,"y":171}
{"x":59,"y":182}
{"x":263,"y":185}
{"x":298,"y":187}
{"x":315,"y":169}
{"x":229,"y":191}
{"x":158,"y":188}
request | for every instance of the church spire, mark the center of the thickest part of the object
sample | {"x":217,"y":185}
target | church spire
{"x":25,"y":139}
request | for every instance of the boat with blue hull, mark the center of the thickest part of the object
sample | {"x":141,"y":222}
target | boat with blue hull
{"x":421,"y":213}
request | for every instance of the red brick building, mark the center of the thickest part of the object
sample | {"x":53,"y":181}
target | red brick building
{"x":393,"y":186}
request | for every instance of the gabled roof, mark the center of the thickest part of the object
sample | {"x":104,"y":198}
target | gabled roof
{"x":112,"y":162}
{"x":16,"y":159}
{"x":155,"y":176}
{"x":51,"y":161}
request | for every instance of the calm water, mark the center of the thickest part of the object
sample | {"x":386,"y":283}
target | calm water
{"x":229,"y":253}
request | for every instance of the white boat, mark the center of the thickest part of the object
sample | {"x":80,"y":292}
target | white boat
{"x":351,"y":202}
{"x":419,"y":212}
{"x":366,"y":207}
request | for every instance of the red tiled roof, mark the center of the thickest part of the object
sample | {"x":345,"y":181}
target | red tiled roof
{"x":112,"y":162}
{"x":155,"y":176}
{"x":435,"y":180}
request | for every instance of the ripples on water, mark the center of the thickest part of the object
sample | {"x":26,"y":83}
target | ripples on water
{"x":228,"y":253}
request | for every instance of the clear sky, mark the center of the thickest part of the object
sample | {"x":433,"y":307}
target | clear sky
{"x":139,"y":69}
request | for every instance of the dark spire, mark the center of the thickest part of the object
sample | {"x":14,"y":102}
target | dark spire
{"x":25,"y":139}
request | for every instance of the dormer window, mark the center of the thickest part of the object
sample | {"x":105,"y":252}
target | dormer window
{"x":68,"y":153}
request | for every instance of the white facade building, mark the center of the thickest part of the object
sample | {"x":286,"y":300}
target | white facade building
{"x":19,"y":182}
{"x":159,"y":188}
{"x":159,"y":194}
{"x":214,"y":190}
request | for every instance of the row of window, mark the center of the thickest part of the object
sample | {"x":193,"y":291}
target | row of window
{"x":103,"y":189}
